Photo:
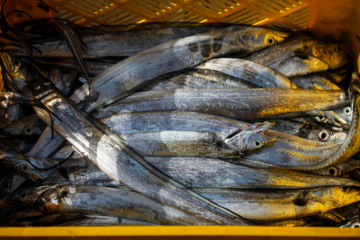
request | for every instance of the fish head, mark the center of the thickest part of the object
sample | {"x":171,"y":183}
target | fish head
{"x":269,"y":37}
{"x":23,"y":167}
{"x":16,"y":70}
{"x":321,"y":200}
{"x":332,"y":54}
{"x":333,"y":197}
{"x":251,"y":138}
{"x":28,"y":198}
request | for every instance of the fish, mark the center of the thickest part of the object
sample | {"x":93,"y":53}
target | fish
{"x":241,"y":104}
{"x":250,"y":139}
{"x":253,"y":72}
{"x":173,"y":56}
{"x":301,"y":54}
{"x":121,"y":163}
{"x":254,"y":204}
{"x":308,"y":131}
{"x":350,"y":145}
{"x":277,"y":205}
{"x":291,"y":152}
{"x":101,"y":201}
{"x":340,"y":168}
{"x":194,"y":79}
{"x":316,"y":80}
{"x":114,"y":41}
{"x":191,"y":171}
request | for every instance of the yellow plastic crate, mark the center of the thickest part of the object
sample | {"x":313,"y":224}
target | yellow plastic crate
{"x":334,"y":20}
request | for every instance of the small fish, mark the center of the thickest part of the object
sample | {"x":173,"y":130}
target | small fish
{"x":242,"y":104}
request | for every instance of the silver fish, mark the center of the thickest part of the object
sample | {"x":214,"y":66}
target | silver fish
{"x":242,"y":104}
{"x":173,"y":56}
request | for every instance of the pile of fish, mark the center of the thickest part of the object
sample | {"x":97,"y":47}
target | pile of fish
{"x":176,"y":124}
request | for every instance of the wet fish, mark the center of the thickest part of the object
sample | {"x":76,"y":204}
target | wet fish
{"x":122,"y":42}
{"x":254,"y":204}
{"x":196,"y":80}
{"x":300,"y":55}
{"x":308,"y":131}
{"x":173,"y":56}
{"x":340,"y":168}
{"x":101,"y":201}
{"x":317,"y":80}
{"x":242,"y":104}
{"x":291,"y":152}
{"x":121,"y":163}
{"x":192,"y":172}
{"x":252,"y":72}
{"x":276,"y":205}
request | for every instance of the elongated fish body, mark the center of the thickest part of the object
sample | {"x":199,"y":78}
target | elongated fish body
{"x":119,"y":43}
{"x":173,"y":56}
{"x":300,"y":55}
{"x":287,"y":204}
{"x":317,"y":80}
{"x":102,"y":201}
{"x":241,"y":104}
{"x":190,"y":171}
{"x":156,"y":121}
{"x":107,"y":151}
{"x":263,"y":76}
{"x":252,"y":72}
{"x":195,"y":80}
{"x":31,"y":125}
{"x":179,"y":143}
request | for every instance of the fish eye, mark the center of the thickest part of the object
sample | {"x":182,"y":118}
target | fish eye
{"x":345,"y":189}
{"x":27,"y":130}
{"x":24,"y":168}
{"x":339,"y":50}
{"x":332,"y":171}
{"x":258,"y":143}
{"x":16,"y":63}
{"x":23,"y":196}
{"x":355,"y":225}
{"x":270,"y":41}
{"x":321,"y":118}
{"x":324,"y":135}
{"x":347,"y":111}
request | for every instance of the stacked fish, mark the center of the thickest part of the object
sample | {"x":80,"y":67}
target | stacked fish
{"x":177,"y":124}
